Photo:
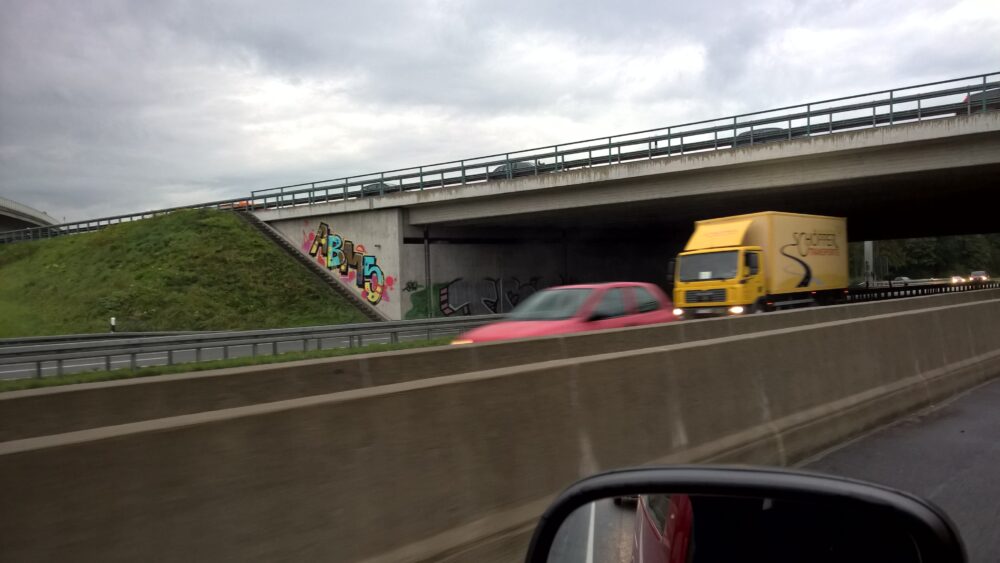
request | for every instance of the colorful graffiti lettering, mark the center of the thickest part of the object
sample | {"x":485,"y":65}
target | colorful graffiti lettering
{"x":350,"y":260}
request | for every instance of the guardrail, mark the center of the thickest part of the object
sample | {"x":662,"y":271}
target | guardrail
{"x":69,"y":338}
{"x":355,"y":334}
{"x":959,"y":96}
{"x":913,"y":288}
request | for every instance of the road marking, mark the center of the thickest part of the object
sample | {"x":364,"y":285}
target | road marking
{"x":590,"y":533}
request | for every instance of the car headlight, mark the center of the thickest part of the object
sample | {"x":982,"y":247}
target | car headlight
{"x":737,"y":310}
{"x":678,"y":312}
{"x":461,"y":341}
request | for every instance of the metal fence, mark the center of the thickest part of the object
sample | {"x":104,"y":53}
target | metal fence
{"x":168,"y":349}
{"x":882,"y":291}
{"x":934,"y":100}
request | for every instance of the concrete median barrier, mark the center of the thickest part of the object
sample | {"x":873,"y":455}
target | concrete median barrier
{"x":458,"y":467}
{"x":25,"y":414}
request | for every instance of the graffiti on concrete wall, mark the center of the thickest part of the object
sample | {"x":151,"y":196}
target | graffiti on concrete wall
{"x":351,"y":261}
{"x":472,"y":297}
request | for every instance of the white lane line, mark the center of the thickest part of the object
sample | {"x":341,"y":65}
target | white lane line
{"x":590,"y":533}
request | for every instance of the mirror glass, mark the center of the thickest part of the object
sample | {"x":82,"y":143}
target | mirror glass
{"x":681,"y":528}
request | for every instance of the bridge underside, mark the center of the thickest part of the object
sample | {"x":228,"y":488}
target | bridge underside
{"x":8,"y":223}
{"x":942,"y":202}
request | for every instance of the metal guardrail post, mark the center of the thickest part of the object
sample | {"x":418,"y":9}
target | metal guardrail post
{"x":170,"y":357}
{"x":808,"y":120}
{"x":394,"y":337}
{"x":197,"y":354}
{"x":107,"y":362}
{"x":38,"y":369}
{"x":59,"y":367}
{"x":892,"y":121}
{"x":984,"y":93}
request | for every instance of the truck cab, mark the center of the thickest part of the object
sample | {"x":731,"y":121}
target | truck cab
{"x":719,"y":281}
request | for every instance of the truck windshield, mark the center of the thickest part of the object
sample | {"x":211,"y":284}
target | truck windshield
{"x":550,"y":305}
{"x":710,"y":266}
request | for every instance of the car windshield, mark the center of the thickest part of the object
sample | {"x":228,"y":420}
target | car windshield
{"x":979,"y":273}
{"x":551,"y":305}
{"x":708,"y":266}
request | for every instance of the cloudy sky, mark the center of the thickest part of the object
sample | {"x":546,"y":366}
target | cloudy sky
{"x":112,"y":106}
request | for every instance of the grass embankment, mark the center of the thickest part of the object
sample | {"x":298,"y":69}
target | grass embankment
{"x":189,"y":270}
{"x":94,"y":376}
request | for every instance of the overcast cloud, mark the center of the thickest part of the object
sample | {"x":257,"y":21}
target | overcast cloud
{"x":111,"y":107}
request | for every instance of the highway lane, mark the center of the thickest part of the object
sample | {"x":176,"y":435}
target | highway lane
{"x":18,"y":371}
{"x":949,"y":454}
{"x":599,"y":532}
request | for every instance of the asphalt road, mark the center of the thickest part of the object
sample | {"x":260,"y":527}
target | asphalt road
{"x":949,"y":454}
{"x":17,"y":371}
{"x":600,"y":532}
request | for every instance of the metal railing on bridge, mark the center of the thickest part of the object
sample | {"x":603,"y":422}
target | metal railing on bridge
{"x":37,"y":357}
{"x":934,"y":100}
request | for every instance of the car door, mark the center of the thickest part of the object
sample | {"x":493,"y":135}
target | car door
{"x":610,"y":310}
{"x":650,"y":306}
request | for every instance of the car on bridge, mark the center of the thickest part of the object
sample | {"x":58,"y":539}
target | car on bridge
{"x":762,"y":135}
{"x":578,"y":308}
{"x":378,"y":188}
{"x":514,"y":170}
{"x":974,"y":101}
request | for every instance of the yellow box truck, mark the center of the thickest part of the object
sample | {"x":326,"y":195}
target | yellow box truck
{"x":761,"y":262}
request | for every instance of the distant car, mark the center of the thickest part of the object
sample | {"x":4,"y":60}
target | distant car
{"x":974,"y":101}
{"x":903,"y":280}
{"x":979,"y":276}
{"x":378,"y":188}
{"x":763,"y":135}
{"x":957,"y":279}
{"x":578,"y":308}
{"x":514,"y":169}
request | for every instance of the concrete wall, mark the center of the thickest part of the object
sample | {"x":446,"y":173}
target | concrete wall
{"x":375,"y":234}
{"x":458,"y":467}
{"x":478,"y":279}
{"x":469,"y":276}
{"x":26,"y":414}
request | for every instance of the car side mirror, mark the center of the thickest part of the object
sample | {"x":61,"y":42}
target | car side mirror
{"x":705,"y":513}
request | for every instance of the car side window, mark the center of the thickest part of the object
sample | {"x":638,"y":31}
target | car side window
{"x":645,"y":301}
{"x":658,"y":507}
{"x":612,"y":304}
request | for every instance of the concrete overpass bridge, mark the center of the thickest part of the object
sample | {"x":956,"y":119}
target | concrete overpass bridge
{"x":481,"y":242}
{"x":14,"y":215}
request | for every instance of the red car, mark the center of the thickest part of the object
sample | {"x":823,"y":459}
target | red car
{"x":663,"y":527}
{"x":578,"y":308}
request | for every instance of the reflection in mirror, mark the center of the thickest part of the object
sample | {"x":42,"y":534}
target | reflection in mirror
{"x":682,"y":528}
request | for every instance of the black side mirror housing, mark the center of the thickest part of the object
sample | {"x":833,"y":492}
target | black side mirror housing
{"x":710,"y":507}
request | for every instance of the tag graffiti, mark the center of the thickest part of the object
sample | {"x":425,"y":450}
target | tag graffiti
{"x":336,"y":252}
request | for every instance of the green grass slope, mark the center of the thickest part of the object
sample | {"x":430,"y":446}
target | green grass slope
{"x":189,"y":270}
